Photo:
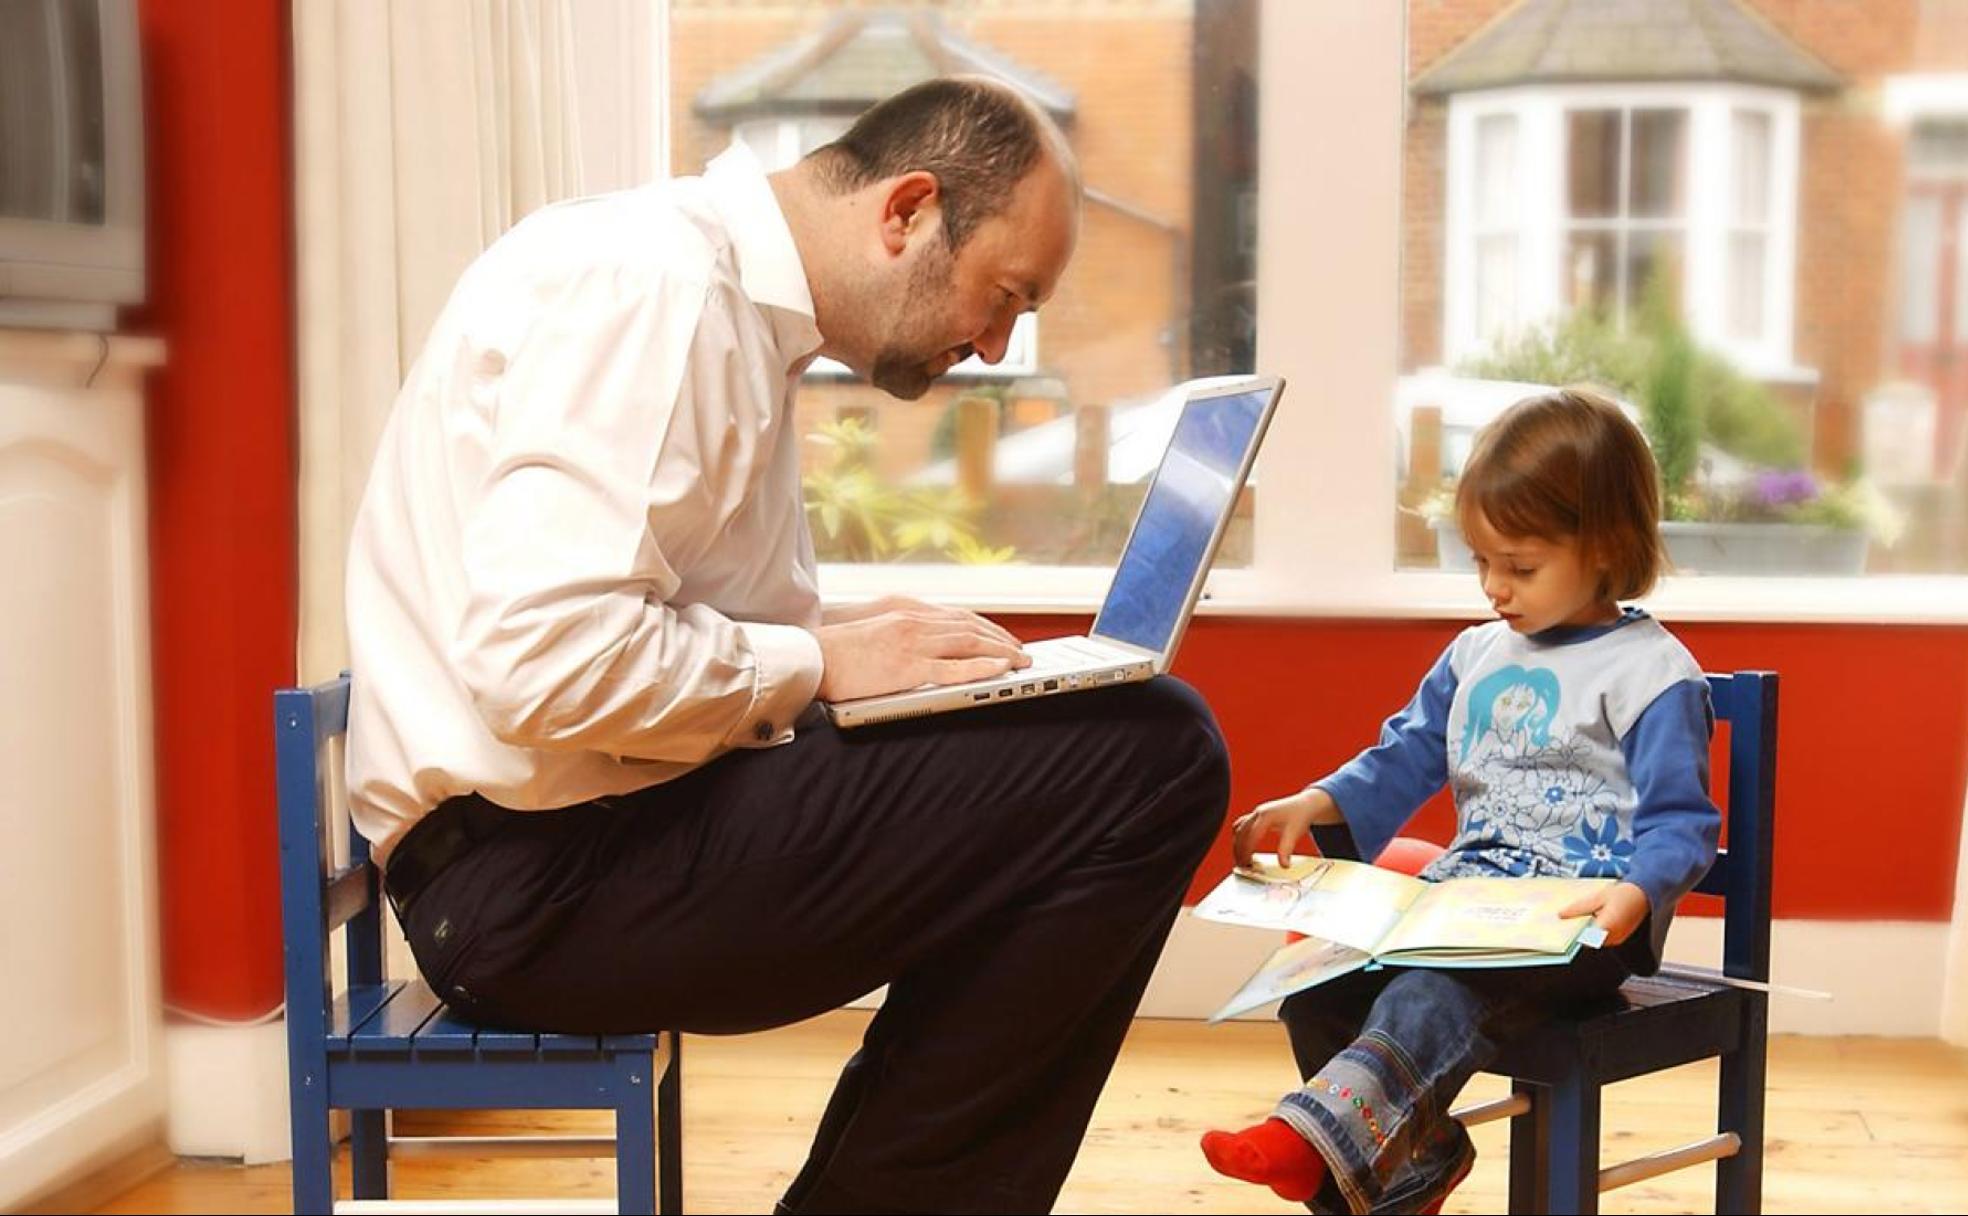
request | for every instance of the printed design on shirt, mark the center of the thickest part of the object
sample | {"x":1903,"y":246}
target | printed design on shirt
{"x":1531,"y":797}
{"x":1512,"y":705}
{"x":1596,"y":851}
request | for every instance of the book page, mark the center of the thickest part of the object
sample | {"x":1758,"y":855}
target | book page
{"x":1469,"y":915}
{"x":1291,"y":969}
{"x":1342,"y":901}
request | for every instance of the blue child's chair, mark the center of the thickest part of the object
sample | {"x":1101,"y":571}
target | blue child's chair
{"x":1665,"y":1020}
{"x":392,"y":1044}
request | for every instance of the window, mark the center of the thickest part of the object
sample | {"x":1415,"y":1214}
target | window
{"x":1037,"y":462}
{"x":1626,"y":220}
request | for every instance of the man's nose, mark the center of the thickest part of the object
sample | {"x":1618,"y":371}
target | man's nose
{"x":992,"y":344}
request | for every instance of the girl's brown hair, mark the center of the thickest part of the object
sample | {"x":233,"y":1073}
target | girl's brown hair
{"x":1570,"y":465}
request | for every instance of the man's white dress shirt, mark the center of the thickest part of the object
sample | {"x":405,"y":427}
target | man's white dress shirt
{"x":581,"y":565}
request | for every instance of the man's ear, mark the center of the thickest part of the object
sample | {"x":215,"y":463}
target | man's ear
{"x":913,"y":201}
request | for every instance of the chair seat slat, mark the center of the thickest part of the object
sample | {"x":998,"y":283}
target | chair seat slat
{"x":355,"y":1009}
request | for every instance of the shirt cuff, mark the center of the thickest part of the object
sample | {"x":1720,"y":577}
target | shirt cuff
{"x":789,"y":665}
{"x":1350,"y":793}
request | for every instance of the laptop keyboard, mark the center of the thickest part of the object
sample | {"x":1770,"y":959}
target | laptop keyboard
{"x":1058,"y":654}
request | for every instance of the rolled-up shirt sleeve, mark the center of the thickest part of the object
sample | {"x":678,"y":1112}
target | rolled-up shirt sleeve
{"x":624,"y":427}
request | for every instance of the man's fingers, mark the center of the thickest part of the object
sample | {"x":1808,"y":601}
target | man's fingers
{"x":943,"y":614}
{"x":963,"y":671}
{"x":965,"y":642}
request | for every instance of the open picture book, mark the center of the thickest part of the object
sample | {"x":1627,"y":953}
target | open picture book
{"x":1355,"y":916}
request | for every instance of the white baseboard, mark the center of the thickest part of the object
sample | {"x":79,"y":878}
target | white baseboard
{"x":1896,"y":991}
{"x":228,"y":1091}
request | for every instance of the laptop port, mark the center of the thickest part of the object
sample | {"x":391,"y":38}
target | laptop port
{"x":980,"y":696}
{"x":1005,"y":692}
{"x":1027,"y":690}
{"x":1052,"y":686}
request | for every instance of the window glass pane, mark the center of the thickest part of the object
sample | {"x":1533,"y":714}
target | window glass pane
{"x":1496,"y":286}
{"x":1496,"y":170}
{"x":1653,"y":261}
{"x":1592,"y":272}
{"x":1920,"y":264}
{"x":1751,"y":132}
{"x":1746,"y":285}
{"x":1659,"y":164}
{"x":1043,"y":458}
{"x":1592,"y":163}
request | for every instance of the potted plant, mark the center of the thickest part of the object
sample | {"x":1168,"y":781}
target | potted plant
{"x":859,"y":517}
{"x":1736,"y":496}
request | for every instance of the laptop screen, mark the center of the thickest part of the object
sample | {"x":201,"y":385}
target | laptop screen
{"x":1192,"y":491}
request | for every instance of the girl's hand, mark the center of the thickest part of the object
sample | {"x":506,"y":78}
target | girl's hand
{"x":1288,"y":818}
{"x":1617,"y":909}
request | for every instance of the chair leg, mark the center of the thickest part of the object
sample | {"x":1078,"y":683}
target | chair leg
{"x":1530,"y":1145}
{"x":1572,"y":1177}
{"x":1739,"y":1179}
{"x":669,"y":1128}
{"x":369,"y":1154}
{"x":314,"y":1153}
{"x":635,"y":1134}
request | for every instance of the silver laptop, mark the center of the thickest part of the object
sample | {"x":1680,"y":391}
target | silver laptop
{"x":1160,"y":574}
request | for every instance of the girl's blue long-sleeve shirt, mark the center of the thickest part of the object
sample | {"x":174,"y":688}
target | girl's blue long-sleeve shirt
{"x":1580,"y":751}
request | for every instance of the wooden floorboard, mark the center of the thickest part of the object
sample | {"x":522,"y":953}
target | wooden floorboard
{"x":1855,"y":1125}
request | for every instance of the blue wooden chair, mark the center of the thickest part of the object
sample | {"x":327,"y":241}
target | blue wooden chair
{"x":1666,"y":1020}
{"x":388,"y":1044}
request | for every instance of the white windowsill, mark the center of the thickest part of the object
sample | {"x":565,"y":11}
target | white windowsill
{"x":1413,"y":595}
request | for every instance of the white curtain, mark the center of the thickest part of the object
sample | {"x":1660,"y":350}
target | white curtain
{"x":423,"y":130}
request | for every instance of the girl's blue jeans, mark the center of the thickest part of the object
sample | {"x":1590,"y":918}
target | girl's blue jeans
{"x":1384,"y":1054}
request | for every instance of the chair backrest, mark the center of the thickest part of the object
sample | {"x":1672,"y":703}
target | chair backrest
{"x":1747,"y":701}
{"x":318,"y":898}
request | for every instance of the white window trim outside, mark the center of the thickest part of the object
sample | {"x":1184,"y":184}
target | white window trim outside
{"x":779,"y":141}
{"x":1540,"y":113}
{"x":1021,"y":358}
{"x":1328,"y":321}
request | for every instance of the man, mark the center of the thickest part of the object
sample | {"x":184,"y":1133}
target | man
{"x":586,"y":641}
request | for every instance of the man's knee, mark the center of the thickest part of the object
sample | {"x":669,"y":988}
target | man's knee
{"x":1181,"y":745}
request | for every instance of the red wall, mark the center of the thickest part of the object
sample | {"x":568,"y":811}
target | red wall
{"x":221,"y":419}
{"x":1874,"y":740}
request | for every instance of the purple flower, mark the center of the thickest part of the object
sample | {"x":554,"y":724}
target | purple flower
{"x":1784,"y":488}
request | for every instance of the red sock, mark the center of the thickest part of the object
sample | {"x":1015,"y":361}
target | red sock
{"x":1270,"y":1153}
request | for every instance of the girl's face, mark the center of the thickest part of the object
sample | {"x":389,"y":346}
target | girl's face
{"x":1537,"y":584}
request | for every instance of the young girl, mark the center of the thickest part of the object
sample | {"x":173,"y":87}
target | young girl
{"x":1574,"y":735}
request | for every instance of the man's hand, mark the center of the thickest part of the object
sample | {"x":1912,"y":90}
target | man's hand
{"x":1288,"y":817}
{"x":842,"y":614}
{"x":1617,"y":909}
{"x":900,"y":643}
